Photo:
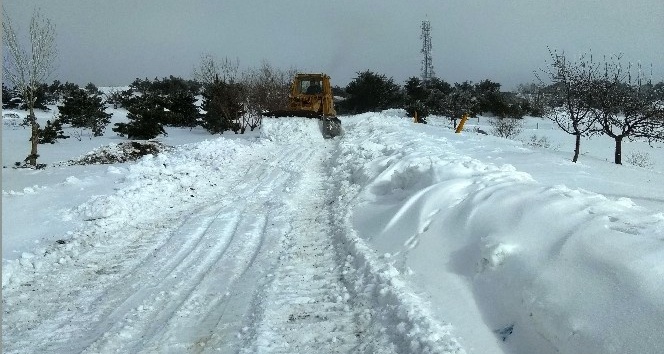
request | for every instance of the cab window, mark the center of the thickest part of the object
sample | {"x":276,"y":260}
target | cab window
{"x":311,"y":87}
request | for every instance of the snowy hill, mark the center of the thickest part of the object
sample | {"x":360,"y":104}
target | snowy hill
{"x":394,"y":238}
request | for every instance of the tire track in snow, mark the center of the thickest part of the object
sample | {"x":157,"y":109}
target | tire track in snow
{"x":171,"y":319}
{"x":217,"y":299}
{"x":186,"y":278}
{"x":153,"y":304}
{"x":306,"y":308}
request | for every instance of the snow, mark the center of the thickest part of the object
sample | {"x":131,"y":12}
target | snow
{"x":393,"y":238}
{"x":566,"y":270}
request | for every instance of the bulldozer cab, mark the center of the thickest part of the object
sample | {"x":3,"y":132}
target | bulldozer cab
{"x":311,"y":95}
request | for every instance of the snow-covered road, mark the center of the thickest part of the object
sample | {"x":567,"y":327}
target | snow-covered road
{"x":221,"y":247}
{"x":306,"y":307}
{"x":395,"y":238}
{"x":251,"y":267}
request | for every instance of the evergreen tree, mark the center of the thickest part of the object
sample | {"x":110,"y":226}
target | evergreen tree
{"x":178,"y":98}
{"x":461,"y":100}
{"x":339,"y":91}
{"x":174,"y":95}
{"x":416,"y":98}
{"x":183,"y":109}
{"x":426,"y":97}
{"x":436,"y":84}
{"x":92,"y":89}
{"x":371,"y":92}
{"x":10,"y":98}
{"x":68,"y":88}
{"x":51,"y":132}
{"x":142,"y":86}
{"x":145,"y":117}
{"x":222,"y":102}
{"x":40,"y":98}
{"x":55,"y":89}
{"x":124,"y":98}
{"x":85,"y":109}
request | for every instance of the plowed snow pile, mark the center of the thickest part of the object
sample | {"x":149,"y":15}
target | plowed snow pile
{"x":291,"y":130}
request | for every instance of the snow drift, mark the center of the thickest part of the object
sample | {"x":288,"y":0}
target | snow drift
{"x":551,"y":269}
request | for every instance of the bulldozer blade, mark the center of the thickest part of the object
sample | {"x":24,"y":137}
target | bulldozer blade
{"x":291,"y":113}
{"x":330,"y":127}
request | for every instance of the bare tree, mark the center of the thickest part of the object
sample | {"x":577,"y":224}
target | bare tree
{"x":210,"y":69}
{"x":267,"y":90}
{"x":207,"y":70}
{"x":26,"y":70}
{"x":626,"y":109}
{"x":568,"y":104}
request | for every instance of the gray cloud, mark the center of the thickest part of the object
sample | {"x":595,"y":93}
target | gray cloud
{"x":113,"y":42}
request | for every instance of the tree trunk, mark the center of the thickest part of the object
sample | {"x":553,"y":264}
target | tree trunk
{"x":617,"y":155}
{"x":34,"y":138}
{"x":577,"y":147}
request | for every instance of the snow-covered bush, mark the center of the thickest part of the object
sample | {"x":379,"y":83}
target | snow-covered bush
{"x":11,"y":121}
{"x":116,"y":153}
{"x":539,"y":142}
{"x":640,"y":159}
{"x":506,"y":127}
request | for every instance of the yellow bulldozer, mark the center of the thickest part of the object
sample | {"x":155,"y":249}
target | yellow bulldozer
{"x":311,"y":97}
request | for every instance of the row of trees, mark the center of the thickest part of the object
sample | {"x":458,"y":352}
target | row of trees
{"x":588,"y":98}
{"x":81,"y":108}
{"x":44,"y":95}
{"x":370,"y":91}
{"x":231,"y":101}
{"x":585,"y":97}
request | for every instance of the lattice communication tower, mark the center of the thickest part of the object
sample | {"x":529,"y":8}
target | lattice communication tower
{"x":427,"y":62}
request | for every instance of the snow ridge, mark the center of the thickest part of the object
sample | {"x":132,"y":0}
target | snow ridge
{"x":392,"y":312}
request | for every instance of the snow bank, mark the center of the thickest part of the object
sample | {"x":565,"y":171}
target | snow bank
{"x":370,"y":278}
{"x":552,"y":269}
{"x":154,"y":188}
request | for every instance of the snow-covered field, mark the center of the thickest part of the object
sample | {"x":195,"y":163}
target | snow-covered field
{"x":394,"y":238}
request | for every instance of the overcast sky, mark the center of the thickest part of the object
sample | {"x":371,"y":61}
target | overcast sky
{"x":111,"y":42}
